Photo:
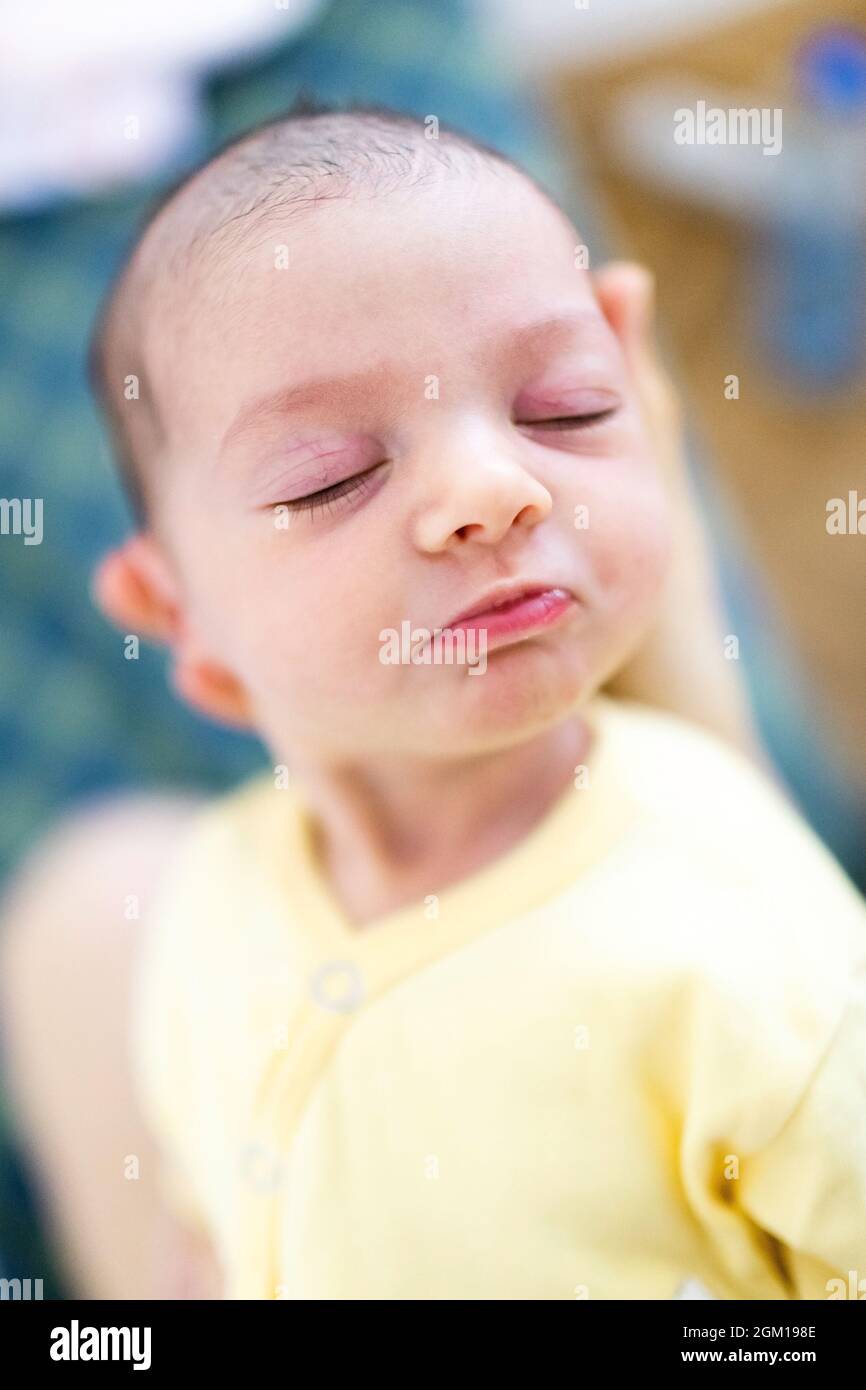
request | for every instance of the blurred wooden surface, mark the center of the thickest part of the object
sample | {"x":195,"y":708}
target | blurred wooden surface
{"x":780,"y":456}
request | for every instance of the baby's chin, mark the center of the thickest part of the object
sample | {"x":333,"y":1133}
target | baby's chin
{"x":523,"y":690}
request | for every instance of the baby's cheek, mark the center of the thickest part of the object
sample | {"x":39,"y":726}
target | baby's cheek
{"x":630,"y":541}
{"x":311,"y":631}
{"x":652,"y":552}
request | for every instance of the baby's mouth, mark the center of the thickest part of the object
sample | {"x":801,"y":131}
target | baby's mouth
{"x":508,"y":615}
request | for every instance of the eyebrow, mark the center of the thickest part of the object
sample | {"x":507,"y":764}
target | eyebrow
{"x":544,"y":332}
{"x":554,"y":328}
{"x":315,"y":391}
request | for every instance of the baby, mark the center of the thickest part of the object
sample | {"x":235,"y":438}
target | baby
{"x":492,"y":986}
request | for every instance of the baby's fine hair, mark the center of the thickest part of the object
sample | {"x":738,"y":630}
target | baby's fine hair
{"x":279,"y":170}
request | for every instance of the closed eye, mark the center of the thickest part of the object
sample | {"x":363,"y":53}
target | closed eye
{"x":569,"y":422}
{"x":323,"y":500}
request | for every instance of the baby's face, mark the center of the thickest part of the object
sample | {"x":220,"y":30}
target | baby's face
{"x":394,"y":410}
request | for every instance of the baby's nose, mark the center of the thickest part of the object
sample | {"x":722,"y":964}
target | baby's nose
{"x":479,"y":490}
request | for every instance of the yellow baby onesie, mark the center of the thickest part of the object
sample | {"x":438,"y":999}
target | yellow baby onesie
{"x":629,"y":1053}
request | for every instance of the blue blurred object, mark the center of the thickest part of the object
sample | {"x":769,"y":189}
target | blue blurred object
{"x":831,"y":70}
{"x":811,"y":265}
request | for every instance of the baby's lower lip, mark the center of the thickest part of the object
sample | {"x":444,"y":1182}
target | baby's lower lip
{"x":519,"y":617}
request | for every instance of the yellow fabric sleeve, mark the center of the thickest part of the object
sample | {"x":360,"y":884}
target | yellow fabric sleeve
{"x":807,"y":1188}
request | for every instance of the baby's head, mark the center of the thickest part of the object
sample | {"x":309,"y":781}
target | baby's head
{"x":359,"y":378}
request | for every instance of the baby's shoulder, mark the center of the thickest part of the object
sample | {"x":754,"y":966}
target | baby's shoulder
{"x":213,"y":877}
{"x":684,"y":777}
{"x":732,"y":839}
{"x":239,"y":821}
{"x":736,"y":914}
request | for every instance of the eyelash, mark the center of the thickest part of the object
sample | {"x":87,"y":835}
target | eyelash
{"x":569,"y":422}
{"x":322,"y":500}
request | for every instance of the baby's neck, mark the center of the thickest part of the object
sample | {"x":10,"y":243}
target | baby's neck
{"x":390,"y":839}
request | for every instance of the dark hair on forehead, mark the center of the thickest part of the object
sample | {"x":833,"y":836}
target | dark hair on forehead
{"x":285,"y":166}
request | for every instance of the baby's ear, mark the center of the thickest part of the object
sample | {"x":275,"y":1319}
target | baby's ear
{"x":135,"y":590}
{"x":212,"y":690}
{"x":626,"y":293}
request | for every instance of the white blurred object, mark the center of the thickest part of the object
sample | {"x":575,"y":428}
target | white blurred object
{"x":583,"y":33}
{"x":692,"y":1288}
{"x":102,"y":92}
{"x":737,"y":178}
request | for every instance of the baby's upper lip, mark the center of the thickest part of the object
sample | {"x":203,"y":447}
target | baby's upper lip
{"x":507,"y":591}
